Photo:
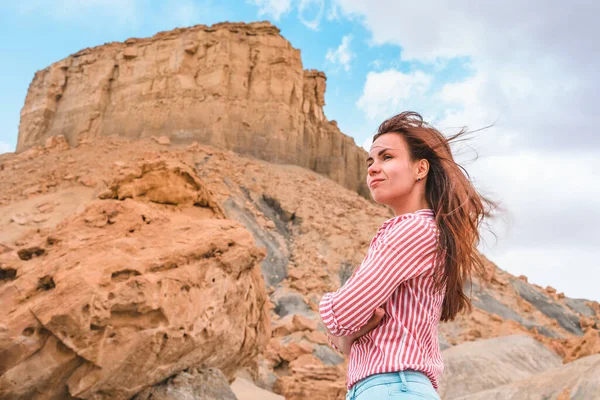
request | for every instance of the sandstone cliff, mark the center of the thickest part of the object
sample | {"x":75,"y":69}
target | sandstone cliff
{"x":231,"y":85}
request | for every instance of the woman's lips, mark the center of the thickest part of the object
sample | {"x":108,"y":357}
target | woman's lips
{"x":375,"y":182}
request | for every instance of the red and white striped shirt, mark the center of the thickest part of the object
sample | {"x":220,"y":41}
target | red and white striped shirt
{"x":397,"y":274}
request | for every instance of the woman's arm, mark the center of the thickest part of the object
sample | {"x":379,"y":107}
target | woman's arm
{"x":343,"y":344}
{"x":400,"y":256}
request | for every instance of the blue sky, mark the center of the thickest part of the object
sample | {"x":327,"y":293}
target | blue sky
{"x":511,"y":63}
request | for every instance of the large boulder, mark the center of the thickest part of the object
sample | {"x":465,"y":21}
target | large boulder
{"x":128,"y":293}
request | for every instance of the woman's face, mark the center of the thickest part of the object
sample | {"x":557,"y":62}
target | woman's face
{"x":391,"y":175}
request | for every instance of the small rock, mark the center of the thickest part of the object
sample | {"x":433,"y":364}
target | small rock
{"x":56,"y":143}
{"x":302,"y":323}
{"x":41,"y":218}
{"x":191,"y":47}
{"x":164,"y":140}
{"x":316,"y":337}
{"x":20,"y":219}
{"x":32,"y":190}
{"x":130,"y":52}
{"x":4,"y":248}
{"x":247,"y":390}
{"x":86,"y":181}
{"x":295,"y":274}
{"x":107,"y":194}
{"x":46,"y":207}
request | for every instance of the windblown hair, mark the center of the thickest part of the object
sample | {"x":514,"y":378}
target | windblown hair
{"x":459,"y":208}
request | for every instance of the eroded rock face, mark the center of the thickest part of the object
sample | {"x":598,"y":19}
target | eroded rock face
{"x":128,"y":293}
{"x":233,"y":86}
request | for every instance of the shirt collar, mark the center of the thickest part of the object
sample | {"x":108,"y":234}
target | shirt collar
{"x":424,"y":212}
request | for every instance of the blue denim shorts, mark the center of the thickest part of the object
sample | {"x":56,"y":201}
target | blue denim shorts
{"x":403,"y":385}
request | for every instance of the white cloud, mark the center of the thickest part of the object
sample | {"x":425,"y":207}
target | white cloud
{"x":537,"y":84}
{"x":273,"y":8}
{"x":332,"y":13}
{"x":311,"y":6}
{"x":377,"y":64}
{"x":387,"y":92}
{"x":539,"y":80}
{"x":6,"y":148}
{"x":549,"y":230}
{"x":342,"y":55}
{"x":367,"y":143}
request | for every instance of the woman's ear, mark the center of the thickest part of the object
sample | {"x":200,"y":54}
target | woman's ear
{"x":422,"y":168}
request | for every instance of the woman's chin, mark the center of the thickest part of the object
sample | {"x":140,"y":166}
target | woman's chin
{"x":378,"y":198}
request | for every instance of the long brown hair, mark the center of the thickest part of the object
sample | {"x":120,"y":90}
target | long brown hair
{"x":459,"y":208}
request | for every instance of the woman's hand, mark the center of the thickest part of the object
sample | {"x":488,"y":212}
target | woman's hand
{"x":344,"y":343}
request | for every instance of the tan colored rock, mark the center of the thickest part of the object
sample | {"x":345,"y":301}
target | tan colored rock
{"x":232,"y":85}
{"x":317,"y":337}
{"x":283,"y":327}
{"x":20,"y":219}
{"x":295,"y":349}
{"x":247,"y":390}
{"x":86,"y":181}
{"x":584,"y":346}
{"x":56,"y":143}
{"x":312,"y":380}
{"x":165,"y":183}
{"x":124,"y":296}
{"x":302,"y":323}
{"x":164,"y":140}
{"x":33,"y":190}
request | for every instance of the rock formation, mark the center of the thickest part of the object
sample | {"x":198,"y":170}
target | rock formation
{"x":125,"y":294}
{"x":231,"y":85}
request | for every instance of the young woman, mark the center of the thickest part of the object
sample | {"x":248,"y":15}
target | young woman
{"x":386,"y":315}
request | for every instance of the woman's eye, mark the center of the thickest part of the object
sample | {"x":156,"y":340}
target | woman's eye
{"x":387,"y":156}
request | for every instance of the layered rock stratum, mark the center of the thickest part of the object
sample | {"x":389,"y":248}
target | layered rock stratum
{"x":134,"y":267}
{"x":233,"y":86}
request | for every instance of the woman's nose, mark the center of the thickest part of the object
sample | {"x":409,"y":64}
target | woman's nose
{"x":373,"y":169}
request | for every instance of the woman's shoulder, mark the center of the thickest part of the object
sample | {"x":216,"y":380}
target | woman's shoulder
{"x":410,"y":224}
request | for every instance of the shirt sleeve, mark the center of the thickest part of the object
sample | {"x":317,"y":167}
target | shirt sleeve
{"x":332,"y":344}
{"x":402,"y":253}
